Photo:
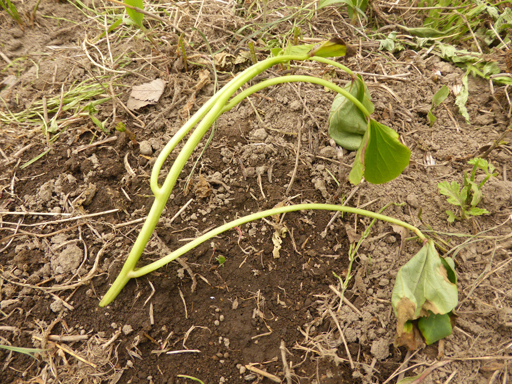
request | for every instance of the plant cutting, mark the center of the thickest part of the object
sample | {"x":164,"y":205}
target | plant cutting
{"x":380,"y":158}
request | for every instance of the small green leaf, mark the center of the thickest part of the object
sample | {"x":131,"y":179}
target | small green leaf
{"x":408,"y":380}
{"x":435,"y":327}
{"x":326,"y":3}
{"x":356,"y":174}
{"x":449,"y":264}
{"x":428,"y":32}
{"x":334,"y":47}
{"x":451,"y":216}
{"x":462,"y":98}
{"x":134,"y":15}
{"x":431,"y":118}
{"x":474,"y":211}
{"x":391,"y":43}
{"x":440,"y":95}
{"x":385,"y":157}
{"x":452,"y":191}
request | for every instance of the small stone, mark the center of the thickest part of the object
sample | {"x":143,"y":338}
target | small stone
{"x":258,"y":135}
{"x":383,"y":282}
{"x":413,"y":201}
{"x":129,"y":364}
{"x":68,"y":260}
{"x":216,"y":322}
{"x":113,"y":325}
{"x":242,"y":369}
{"x":145,"y":148}
{"x":57,"y":306}
{"x":127,"y":329}
{"x":380,"y":349}
{"x":295,"y":105}
{"x":329,"y":152}
{"x":221,"y":317}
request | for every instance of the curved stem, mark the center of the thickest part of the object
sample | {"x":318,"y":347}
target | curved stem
{"x":294,"y":79}
{"x":208,"y":113}
{"x":255,"y":216}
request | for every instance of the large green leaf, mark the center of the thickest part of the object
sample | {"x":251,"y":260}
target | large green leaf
{"x":347,"y":124}
{"x":424,"y":284}
{"x":385,"y":157}
{"x":134,"y":15}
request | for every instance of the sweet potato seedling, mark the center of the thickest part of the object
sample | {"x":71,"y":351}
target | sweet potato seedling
{"x":380,"y":157}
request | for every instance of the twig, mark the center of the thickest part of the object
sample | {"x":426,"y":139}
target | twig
{"x":345,"y":300}
{"x":184,"y":303}
{"x":184,"y":351}
{"x":68,"y":219}
{"x":342,"y":338}
{"x":287,"y":373}
{"x":299,"y":138}
{"x":95,"y":144}
{"x":495,"y":143}
{"x":4,"y":56}
{"x":181,"y":210}
{"x":261,"y":372}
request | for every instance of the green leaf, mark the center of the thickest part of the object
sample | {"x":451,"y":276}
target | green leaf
{"x":297,"y":49}
{"x":431,"y":118}
{"x":423,"y":285}
{"x":334,"y":47}
{"x":462,"y":98}
{"x":356,"y":174}
{"x":440,"y":95}
{"x":474,"y":211}
{"x":452,"y":191}
{"x":451,"y":216}
{"x":435,"y":327}
{"x":408,"y":380}
{"x":326,"y":3}
{"x":26,"y":351}
{"x":449,"y":264}
{"x":391,"y":44}
{"x":347,"y":124}
{"x":134,"y":15}
{"x":428,"y":32}
{"x":385,"y":157}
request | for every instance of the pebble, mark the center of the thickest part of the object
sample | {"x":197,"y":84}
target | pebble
{"x":259,"y":134}
{"x":127,"y":329}
{"x":216,"y":322}
{"x":413,"y":201}
{"x":57,"y":306}
{"x":145,"y":148}
{"x":329,"y":152}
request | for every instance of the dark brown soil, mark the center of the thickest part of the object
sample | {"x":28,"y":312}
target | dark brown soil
{"x":254,"y":309}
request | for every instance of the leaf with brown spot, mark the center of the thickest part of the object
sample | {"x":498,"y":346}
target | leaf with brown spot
{"x":423,"y":285}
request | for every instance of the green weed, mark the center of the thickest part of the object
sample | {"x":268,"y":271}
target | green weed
{"x":467,"y":197}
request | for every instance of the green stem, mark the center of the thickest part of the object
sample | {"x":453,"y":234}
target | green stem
{"x":294,"y":79}
{"x":131,"y":272}
{"x":208,"y":113}
{"x":259,"y":215}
